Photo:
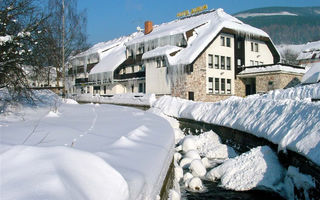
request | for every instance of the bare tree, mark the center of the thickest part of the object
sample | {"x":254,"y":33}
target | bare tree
{"x":74,"y":29}
{"x":289,"y":56}
{"x":20,"y":22}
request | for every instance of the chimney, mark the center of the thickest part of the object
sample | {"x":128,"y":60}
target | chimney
{"x":148,"y":27}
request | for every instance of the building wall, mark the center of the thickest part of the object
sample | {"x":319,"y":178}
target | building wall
{"x":157,"y":80}
{"x":263,"y":56}
{"x":196,"y":82}
{"x":216,"y":49}
{"x":240,"y":87}
{"x":279,"y":81}
{"x":120,"y":87}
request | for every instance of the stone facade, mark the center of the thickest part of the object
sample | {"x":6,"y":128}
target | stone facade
{"x":240,"y":87}
{"x":272,"y":81}
{"x":195,"y":82}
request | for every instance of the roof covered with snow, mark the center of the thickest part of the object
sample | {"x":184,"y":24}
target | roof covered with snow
{"x":273,"y":68}
{"x":161,"y":51}
{"x":103,"y":48}
{"x":312,"y":75}
{"x":205,"y":28}
{"x":310,"y":50}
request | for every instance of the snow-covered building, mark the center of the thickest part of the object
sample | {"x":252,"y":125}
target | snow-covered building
{"x":263,"y":78}
{"x":196,"y":57}
{"x":310,"y":53}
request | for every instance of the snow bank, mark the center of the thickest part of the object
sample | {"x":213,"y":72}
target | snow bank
{"x":119,"y":151}
{"x":58,"y":173}
{"x":258,"y":168}
{"x":128,"y":98}
{"x":284,"y":117}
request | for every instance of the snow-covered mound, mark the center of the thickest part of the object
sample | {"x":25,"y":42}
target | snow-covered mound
{"x":285,"y":117}
{"x":312,"y":75}
{"x":58,"y":173}
{"x":258,"y":168}
{"x":120,"y":153}
{"x":127,"y":98}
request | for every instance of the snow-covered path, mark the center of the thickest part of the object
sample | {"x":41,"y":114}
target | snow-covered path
{"x":136,"y":148}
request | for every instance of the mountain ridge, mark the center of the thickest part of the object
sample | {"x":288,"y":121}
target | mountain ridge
{"x":285,"y":25}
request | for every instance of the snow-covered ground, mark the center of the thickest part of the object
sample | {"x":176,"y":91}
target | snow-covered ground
{"x":127,"y":99}
{"x":203,"y":157}
{"x":63,"y":150}
{"x":285,"y":117}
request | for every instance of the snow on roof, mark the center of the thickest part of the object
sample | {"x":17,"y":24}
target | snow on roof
{"x":111,"y":60}
{"x":272,"y":68}
{"x":103,"y":47}
{"x":310,"y":50}
{"x":312,"y":75}
{"x":206,"y":27}
{"x":160,"y":51}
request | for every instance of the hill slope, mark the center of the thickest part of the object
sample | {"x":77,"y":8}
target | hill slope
{"x":285,"y":25}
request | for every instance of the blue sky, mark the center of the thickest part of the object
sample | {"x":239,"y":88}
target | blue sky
{"x":108,"y":19}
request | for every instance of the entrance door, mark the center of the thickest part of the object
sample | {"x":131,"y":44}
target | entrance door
{"x":191,"y":96}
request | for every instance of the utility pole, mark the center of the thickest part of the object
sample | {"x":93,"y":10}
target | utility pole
{"x":63,"y":64}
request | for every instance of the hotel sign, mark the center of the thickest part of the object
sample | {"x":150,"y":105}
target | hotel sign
{"x":193,"y":11}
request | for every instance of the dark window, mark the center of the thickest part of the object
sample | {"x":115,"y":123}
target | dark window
{"x":228,"y":42}
{"x":228,"y":86}
{"x":256,"y":47}
{"x":223,"y":85}
{"x":222,"y":41}
{"x":216,"y":62}
{"x":210,"y":61}
{"x":140,"y":87}
{"x":238,"y":45}
{"x":252,"y":48}
{"x":189,"y":69}
{"x":191,"y":96}
{"x":223,"y":61}
{"x":210,"y":85}
{"x":105,"y":89}
{"x":132,"y":88}
{"x":216,"y":86}
{"x":132,"y":69}
{"x":158,"y":63}
{"x":270,"y":85}
{"x":228,"y":63}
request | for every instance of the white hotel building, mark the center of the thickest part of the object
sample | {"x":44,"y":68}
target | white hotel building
{"x":197,"y":57}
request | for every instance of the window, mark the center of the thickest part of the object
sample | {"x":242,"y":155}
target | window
{"x":223,"y":85}
{"x":257,"y":62}
{"x":223,"y":62}
{"x":222,"y":41}
{"x":239,"y":63}
{"x":210,"y":85}
{"x":191,"y":96}
{"x":261,"y":63}
{"x":124,"y":71}
{"x":228,"y":42}
{"x":158,"y":63}
{"x":238,"y":45}
{"x":140,"y":68}
{"x":132,"y":69}
{"x":216,"y":62}
{"x":228,"y":63}
{"x":252,"y":48}
{"x":140,"y":87}
{"x":228,"y":86}
{"x":251,"y":62}
{"x":105,"y":89}
{"x":163,"y":63}
{"x":256,"y":47}
{"x":210,"y":61}
{"x":270,"y":85}
{"x":216,"y":86}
